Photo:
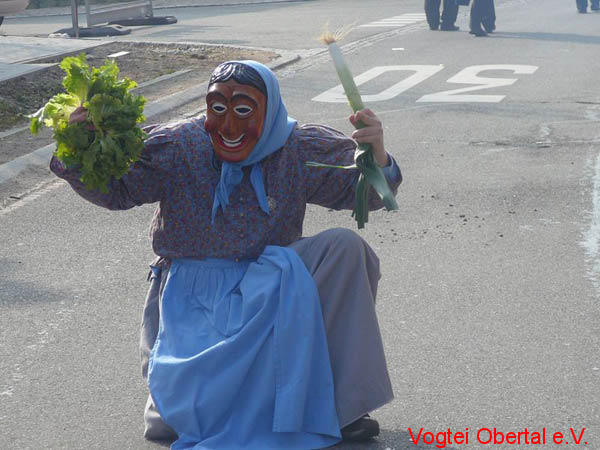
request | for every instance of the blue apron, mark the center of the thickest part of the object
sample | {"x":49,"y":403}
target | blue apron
{"x":241,"y":359}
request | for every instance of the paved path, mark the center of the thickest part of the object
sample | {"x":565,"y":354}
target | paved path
{"x":160,"y":4}
{"x":18,"y":50}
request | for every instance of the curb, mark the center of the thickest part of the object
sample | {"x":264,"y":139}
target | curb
{"x":66,"y":11}
{"x":41,"y":157}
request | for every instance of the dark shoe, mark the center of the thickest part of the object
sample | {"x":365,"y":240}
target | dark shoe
{"x":449,"y":28}
{"x":361,"y":429}
{"x":488,"y":25}
{"x":478,"y":33}
{"x":433,"y":25}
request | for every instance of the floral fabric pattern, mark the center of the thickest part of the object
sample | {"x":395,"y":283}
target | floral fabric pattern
{"x":178,"y":170}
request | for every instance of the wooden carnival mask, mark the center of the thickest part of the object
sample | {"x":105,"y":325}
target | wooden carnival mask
{"x":235,"y":118}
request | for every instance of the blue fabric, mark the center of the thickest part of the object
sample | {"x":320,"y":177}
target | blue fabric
{"x":276,"y":130}
{"x":391,"y":172}
{"x":241,"y":359}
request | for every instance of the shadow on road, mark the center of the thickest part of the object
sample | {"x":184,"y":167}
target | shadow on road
{"x":20,"y":292}
{"x":557,"y":37}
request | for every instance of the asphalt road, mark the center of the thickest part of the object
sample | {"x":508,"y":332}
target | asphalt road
{"x":489,"y":301}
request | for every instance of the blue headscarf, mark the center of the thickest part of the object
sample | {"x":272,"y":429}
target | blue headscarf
{"x":276,"y":130}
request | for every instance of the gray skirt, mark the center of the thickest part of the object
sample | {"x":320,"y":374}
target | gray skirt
{"x":346,"y":273}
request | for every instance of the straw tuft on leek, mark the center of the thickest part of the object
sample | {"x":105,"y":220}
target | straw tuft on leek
{"x":370,"y":173}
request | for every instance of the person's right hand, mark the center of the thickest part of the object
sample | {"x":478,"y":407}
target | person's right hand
{"x":79,"y":115}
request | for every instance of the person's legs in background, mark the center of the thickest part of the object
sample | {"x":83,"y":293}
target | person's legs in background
{"x":489,"y":20}
{"x":449,"y":13}
{"x":477,"y":13}
{"x":581,"y":6}
{"x":432,"y":12}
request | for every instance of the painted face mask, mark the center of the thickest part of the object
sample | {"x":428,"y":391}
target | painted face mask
{"x":235,"y":118}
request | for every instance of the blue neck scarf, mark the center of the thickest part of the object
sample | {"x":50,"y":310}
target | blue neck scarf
{"x":276,"y":130}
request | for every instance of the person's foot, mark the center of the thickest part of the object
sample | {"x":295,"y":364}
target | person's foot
{"x":449,"y":27}
{"x":582,"y":11}
{"x":488,"y":25}
{"x":478,"y":33}
{"x":361,"y":429}
{"x":433,"y":28}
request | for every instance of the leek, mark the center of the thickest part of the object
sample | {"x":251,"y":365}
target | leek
{"x":370,"y":173}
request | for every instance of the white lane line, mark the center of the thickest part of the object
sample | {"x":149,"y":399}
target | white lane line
{"x":396,"y":21}
{"x":593,"y":113}
{"x":39,"y":157}
{"x":591,"y":242}
{"x":32,"y":195}
{"x":116,"y":55}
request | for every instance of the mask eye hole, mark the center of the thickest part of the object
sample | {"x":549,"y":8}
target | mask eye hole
{"x":218,"y":108}
{"x":243,"y":110}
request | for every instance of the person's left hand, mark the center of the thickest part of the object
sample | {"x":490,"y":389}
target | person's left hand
{"x":79,"y":115}
{"x":372,"y":134}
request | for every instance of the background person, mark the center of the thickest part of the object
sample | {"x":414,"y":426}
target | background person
{"x":449,"y":13}
{"x":582,"y":5}
{"x":482,"y":18}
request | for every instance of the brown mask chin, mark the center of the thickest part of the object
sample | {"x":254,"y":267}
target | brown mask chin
{"x":235,"y":117}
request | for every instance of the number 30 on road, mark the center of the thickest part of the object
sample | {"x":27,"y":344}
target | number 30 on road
{"x":469,"y":75}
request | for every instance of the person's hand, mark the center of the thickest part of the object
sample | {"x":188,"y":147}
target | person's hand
{"x":79,"y":115}
{"x":372,"y":133}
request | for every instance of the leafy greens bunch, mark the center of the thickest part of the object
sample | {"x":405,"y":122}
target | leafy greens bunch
{"x":108,"y":141}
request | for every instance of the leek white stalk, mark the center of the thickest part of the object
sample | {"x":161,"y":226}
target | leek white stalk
{"x":345,"y":77}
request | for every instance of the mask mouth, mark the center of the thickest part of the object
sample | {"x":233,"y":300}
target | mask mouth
{"x":232,"y":144}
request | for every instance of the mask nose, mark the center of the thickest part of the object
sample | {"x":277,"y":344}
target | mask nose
{"x":230,"y":126}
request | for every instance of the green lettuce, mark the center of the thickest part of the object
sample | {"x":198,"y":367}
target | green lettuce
{"x":109,"y":141}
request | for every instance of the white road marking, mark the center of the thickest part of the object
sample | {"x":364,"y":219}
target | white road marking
{"x":421,"y":73}
{"x":32,"y":195}
{"x":591,"y":242}
{"x":396,"y":21}
{"x":116,"y":55}
{"x":469,"y":75}
{"x":593,"y":113}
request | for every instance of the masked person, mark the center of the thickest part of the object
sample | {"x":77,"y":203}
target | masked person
{"x":449,"y":14}
{"x":253,"y":336}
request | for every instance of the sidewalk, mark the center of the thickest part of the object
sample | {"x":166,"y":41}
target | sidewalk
{"x":156,"y":4}
{"x":18,"y":51}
